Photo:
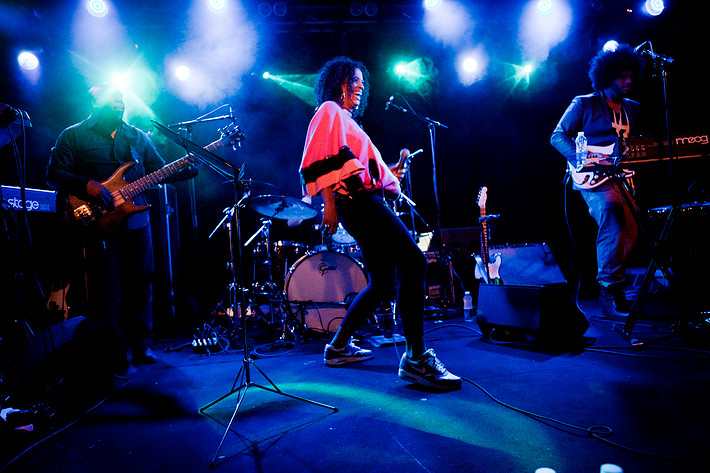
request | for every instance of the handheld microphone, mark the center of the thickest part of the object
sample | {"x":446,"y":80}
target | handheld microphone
{"x":389,"y":102}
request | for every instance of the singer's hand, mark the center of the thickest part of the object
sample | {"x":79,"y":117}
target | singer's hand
{"x":400,"y":169}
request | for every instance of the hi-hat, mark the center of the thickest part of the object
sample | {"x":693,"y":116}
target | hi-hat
{"x":279,"y":206}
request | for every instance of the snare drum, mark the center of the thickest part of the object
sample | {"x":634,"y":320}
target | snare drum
{"x":324,"y":283}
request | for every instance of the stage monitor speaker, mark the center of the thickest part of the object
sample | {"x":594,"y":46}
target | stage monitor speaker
{"x":529,"y":263}
{"x":547,"y":313}
{"x":78,"y":352}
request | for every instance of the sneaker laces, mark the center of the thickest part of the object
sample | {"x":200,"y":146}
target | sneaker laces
{"x":433,"y":361}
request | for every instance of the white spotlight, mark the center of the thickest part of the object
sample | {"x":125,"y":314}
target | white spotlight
{"x":182,"y":73}
{"x":217,"y":5}
{"x":28,"y":60}
{"x":432,"y":4}
{"x":654,"y":7}
{"x":610,"y":46}
{"x":97,"y":8}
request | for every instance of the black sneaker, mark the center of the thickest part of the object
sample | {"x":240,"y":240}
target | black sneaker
{"x":428,"y":371}
{"x":350,"y":353}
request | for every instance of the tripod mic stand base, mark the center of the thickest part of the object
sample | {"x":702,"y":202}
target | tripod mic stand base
{"x":244,"y":381}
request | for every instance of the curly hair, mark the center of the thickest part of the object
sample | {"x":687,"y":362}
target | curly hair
{"x":607,"y":66}
{"x":331,"y":77}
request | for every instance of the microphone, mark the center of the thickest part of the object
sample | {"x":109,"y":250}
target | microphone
{"x":231,"y":114}
{"x":389,"y":102}
{"x":657,"y":58}
{"x":640,"y":48}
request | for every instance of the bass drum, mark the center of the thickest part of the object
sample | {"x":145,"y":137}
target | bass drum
{"x":322,"y":284}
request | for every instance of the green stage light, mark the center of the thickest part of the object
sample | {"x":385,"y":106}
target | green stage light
{"x":300,"y":85}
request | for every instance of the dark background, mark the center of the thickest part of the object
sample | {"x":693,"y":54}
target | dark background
{"x":497,"y":135}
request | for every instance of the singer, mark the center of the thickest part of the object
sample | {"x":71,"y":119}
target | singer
{"x":342,"y":165}
{"x":606,"y":116}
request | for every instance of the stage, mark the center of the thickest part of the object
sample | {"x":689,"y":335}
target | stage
{"x":521,"y":407}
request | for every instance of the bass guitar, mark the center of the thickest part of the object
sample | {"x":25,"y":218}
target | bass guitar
{"x":485,"y":269}
{"x":123,"y":192}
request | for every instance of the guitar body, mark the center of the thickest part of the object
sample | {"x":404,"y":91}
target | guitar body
{"x":107,"y":222}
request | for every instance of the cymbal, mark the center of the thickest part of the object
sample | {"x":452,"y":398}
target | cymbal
{"x":280,"y":206}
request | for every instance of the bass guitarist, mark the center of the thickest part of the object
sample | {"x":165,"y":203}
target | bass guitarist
{"x":606,"y":116}
{"x":119,"y":266}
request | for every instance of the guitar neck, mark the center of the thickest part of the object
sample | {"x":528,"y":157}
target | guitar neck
{"x":484,"y":238}
{"x":140,"y":185}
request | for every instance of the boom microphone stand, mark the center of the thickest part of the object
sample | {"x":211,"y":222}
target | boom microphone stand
{"x":660,"y":63}
{"x":243,"y":378}
{"x":431,"y":125}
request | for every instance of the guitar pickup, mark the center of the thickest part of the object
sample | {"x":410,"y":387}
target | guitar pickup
{"x":83,"y":213}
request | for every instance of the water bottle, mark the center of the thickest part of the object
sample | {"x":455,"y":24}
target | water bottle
{"x":581,"y":146}
{"x":467,"y":307}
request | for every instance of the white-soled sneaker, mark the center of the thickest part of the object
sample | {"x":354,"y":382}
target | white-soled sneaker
{"x":428,"y":371}
{"x":350,"y":353}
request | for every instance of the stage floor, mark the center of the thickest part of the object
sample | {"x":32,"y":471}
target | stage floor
{"x":521,"y":407}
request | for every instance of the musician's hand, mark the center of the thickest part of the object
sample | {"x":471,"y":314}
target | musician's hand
{"x":400,"y":169}
{"x":96,"y":191}
{"x":330,"y":221}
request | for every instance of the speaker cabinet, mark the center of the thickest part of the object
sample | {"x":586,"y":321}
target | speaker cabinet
{"x":547,"y":313}
{"x":528,"y":263}
{"x":75,"y":353}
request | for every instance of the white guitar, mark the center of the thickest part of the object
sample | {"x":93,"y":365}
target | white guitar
{"x":595,"y":174}
{"x":486,"y":269}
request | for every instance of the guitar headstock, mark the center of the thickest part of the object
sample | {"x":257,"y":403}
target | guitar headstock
{"x":231,"y":135}
{"x":482,"y":197}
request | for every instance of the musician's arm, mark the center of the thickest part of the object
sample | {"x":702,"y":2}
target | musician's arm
{"x":570,"y":123}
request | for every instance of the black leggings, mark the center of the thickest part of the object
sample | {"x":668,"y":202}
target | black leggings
{"x":393,"y":262}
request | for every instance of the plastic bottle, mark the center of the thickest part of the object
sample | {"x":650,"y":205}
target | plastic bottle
{"x":581,"y":147}
{"x":467,"y":307}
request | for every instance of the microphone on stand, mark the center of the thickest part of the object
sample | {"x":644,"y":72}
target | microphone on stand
{"x":389,"y":102}
{"x":231,"y":114}
{"x":640,"y":48}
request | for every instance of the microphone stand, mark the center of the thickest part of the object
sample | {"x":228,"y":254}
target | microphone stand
{"x":243,"y":380}
{"x":659,"y":250}
{"x":431,"y":125}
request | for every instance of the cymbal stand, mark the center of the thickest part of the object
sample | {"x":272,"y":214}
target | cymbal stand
{"x":269,"y":288}
{"x":244,"y":379}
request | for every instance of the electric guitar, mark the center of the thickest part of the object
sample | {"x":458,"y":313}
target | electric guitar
{"x":594,"y":174}
{"x":123,"y":192}
{"x":485,"y":269}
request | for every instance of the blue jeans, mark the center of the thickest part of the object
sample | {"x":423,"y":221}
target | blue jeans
{"x":617,"y":232}
{"x":393,"y":262}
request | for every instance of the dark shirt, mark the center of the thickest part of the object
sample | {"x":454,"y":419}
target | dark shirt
{"x":590,"y":114}
{"x":82,"y":152}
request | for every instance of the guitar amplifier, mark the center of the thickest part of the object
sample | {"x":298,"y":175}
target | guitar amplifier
{"x":528,"y":263}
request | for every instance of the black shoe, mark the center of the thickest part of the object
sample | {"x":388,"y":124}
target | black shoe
{"x":613,"y":302}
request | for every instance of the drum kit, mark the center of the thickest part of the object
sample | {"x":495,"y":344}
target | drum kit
{"x":312,"y":287}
